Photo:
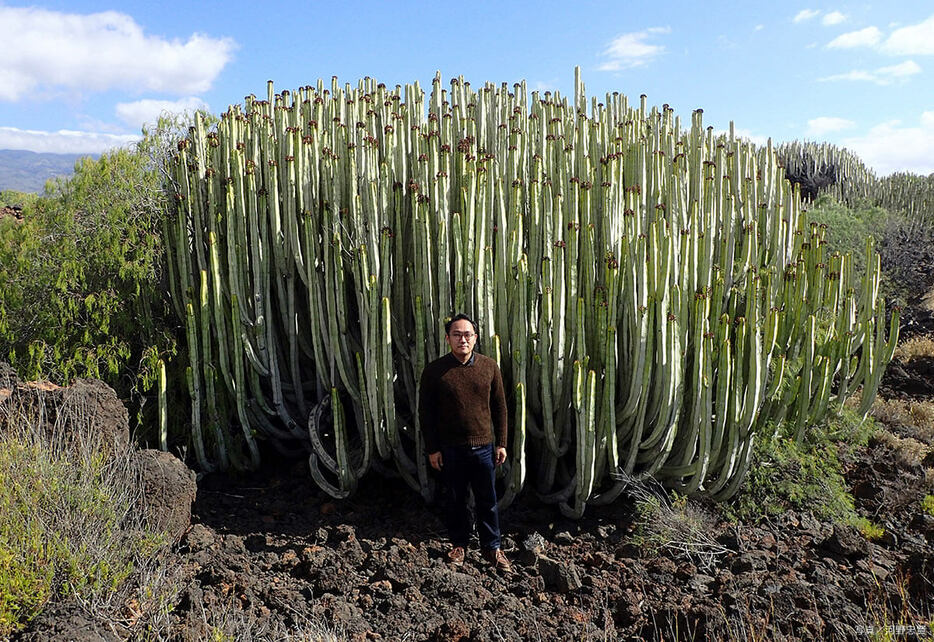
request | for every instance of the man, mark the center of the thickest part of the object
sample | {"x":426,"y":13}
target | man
{"x":463,"y":415}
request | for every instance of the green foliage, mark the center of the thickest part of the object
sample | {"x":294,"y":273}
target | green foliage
{"x":71,"y":525}
{"x":791,"y":476}
{"x":848,"y":227}
{"x":806,"y":476}
{"x":82,"y":275}
{"x":927,"y":505}
{"x":869,"y":529}
{"x":12,"y":198}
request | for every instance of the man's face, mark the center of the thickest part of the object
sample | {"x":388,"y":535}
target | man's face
{"x":461,"y":338}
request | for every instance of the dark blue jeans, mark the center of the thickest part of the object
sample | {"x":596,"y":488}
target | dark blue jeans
{"x":471,"y":467}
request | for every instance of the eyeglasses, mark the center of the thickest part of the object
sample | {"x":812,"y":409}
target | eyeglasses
{"x":457,"y":336}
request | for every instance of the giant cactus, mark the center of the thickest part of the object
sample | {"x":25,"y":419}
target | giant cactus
{"x":654,"y":294}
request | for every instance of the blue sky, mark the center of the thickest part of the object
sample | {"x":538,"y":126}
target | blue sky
{"x":83,"y":75}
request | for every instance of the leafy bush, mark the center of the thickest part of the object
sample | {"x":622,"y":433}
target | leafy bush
{"x":904,"y":244}
{"x":72,"y":525}
{"x":82,"y":275}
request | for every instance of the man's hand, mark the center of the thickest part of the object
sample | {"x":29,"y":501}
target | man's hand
{"x":500,"y":456}
{"x":435,"y":460}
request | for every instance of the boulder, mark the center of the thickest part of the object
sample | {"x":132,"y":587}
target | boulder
{"x":169,"y":489}
{"x":88,"y":409}
{"x":93,"y":401}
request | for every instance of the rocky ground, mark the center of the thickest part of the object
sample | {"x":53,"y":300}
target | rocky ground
{"x":272,"y":548}
{"x":268,"y":554}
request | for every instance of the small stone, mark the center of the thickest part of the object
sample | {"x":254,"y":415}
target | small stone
{"x":848,"y":542}
{"x":199,"y":538}
{"x":628,"y":607}
{"x":531,"y":548}
{"x":751,"y":561}
{"x":288,"y":559}
{"x":381,"y":588}
{"x":453,"y":631}
{"x":561,"y":577}
{"x":700,"y":583}
{"x":564,"y":537}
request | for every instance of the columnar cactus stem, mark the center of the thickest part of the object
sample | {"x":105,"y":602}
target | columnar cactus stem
{"x":654,"y":296}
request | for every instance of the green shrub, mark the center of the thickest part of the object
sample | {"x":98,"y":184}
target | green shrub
{"x":12,"y":198}
{"x":848,"y":227}
{"x":72,"y":525}
{"x":927,"y":505}
{"x":806,"y":476}
{"x":83,"y":274}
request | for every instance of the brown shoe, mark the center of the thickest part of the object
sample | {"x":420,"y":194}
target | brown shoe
{"x":456,"y":556}
{"x":497,"y":558}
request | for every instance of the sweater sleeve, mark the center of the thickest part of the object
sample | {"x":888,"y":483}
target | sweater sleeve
{"x":498,"y":407}
{"x":426,"y":414}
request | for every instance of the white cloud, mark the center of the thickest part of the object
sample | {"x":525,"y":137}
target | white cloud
{"x":825,"y":124}
{"x":901,"y":70}
{"x":833,"y":18}
{"x":912,"y":40}
{"x":759,"y":28}
{"x":63,"y":141}
{"x":142,"y":112}
{"x":856,"y":74}
{"x":632,"y":50}
{"x":806,"y":14}
{"x":99,"y":51}
{"x":882,"y":75}
{"x":890,"y":147}
{"x":868,"y":37}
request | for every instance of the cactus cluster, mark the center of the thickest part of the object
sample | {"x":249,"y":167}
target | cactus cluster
{"x":843,"y":175}
{"x":653,"y":293}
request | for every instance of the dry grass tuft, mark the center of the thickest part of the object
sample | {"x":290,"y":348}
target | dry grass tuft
{"x":909,"y":452}
{"x":918,"y":415}
{"x":228,"y":622}
{"x":679,"y":528}
{"x":915,"y":347}
{"x":72,"y":527}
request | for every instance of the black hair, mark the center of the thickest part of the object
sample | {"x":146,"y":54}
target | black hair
{"x":461,"y":317}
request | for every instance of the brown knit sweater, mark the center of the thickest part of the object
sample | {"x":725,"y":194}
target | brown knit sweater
{"x":462,"y":404}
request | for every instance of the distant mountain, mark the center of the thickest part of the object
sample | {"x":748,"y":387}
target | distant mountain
{"x":28,"y":171}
